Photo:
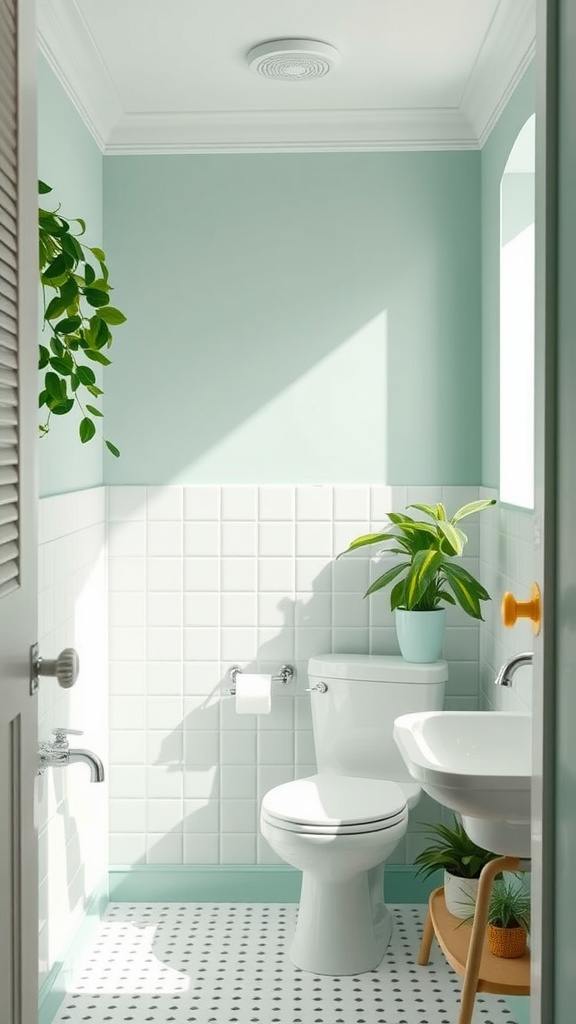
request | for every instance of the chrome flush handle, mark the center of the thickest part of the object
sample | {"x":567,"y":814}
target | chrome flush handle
{"x":318,"y":687}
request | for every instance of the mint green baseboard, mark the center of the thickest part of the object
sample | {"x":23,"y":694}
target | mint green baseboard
{"x":240,"y":883}
{"x":57,"y":983}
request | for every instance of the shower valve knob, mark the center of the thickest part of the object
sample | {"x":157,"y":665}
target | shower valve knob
{"x":61,"y":735}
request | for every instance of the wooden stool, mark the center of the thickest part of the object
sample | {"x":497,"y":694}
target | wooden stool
{"x":465,"y":946}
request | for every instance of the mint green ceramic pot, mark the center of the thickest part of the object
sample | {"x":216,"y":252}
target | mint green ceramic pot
{"x":420,"y":634}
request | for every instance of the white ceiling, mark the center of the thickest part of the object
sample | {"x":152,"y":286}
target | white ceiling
{"x":172,"y":76}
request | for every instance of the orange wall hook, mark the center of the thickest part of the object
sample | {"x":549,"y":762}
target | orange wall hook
{"x":512,"y":610}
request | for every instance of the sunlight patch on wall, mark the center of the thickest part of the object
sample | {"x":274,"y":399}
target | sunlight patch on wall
{"x":517,"y":370}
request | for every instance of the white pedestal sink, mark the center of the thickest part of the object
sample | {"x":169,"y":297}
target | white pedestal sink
{"x":478,"y":763}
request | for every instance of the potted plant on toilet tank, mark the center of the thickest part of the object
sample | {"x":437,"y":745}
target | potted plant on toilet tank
{"x":427,"y":576}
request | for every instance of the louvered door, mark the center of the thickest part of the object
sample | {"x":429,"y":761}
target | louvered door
{"x":9,"y":546}
{"x":18,"y":540}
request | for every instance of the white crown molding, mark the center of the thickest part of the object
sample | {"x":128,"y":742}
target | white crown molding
{"x":506,"y":53}
{"x":69,"y":48}
{"x":292,"y":132}
{"x":66,"y":43}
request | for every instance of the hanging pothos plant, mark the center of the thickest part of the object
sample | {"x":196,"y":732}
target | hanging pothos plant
{"x":77,"y":315}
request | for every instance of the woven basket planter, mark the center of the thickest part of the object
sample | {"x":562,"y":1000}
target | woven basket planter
{"x":509,"y":943}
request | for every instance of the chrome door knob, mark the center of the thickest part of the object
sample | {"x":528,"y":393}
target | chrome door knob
{"x":65,"y":667}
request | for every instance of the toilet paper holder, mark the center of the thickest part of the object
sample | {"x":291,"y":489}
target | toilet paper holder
{"x":285,"y":675}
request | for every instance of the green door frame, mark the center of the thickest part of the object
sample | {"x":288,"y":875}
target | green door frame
{"x":554,"y":710}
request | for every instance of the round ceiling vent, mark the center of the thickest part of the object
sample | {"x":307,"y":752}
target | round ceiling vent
{"x":293,"y":60}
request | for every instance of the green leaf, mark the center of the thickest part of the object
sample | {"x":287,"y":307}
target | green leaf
{"x":98,"y":333}
{"x":73,"y":249}
{"x":419,"y":536}
{"x":86,"y":375}
{"x":397,"y":595}
{"x":112,"y":448}
{"x":454,"y":538}
{"x":62,"y":366}
{"x":86,"y":429}
{"x":99,"y":254}
{"x":44,"y":357}
{"x":57,"y":268}
{"x":102,"y":284}
{"x":52,"y":225}
{"x":55,"y":308}
{"x":425,"y":565}
{"x":483,"y":594}
{"x":89,"y":274}
{"x":97,"y":357}
{"x":386,"y":578}
{"x":43,"y":398}
{"x":43,"y":188}
{"x":440,"y":511}
{"x":467,"y":591}
{"x":74,"y":382}
{"x":46,"y":249}
{"x":61,"y":408}
{"x":94,"y":390}
{"x":364,"y":540}
{"x":429,"y":510}
{"x":69,"y":291}
{"x":69,"y":325}
{"x":53,"y":386}
{"x":82,"y":223}
{"x":111,"y":315}
{"x":57,"y":346}
{"x":96,"y":298}
{"x":94,"y":410}
{"x":472,"y":506}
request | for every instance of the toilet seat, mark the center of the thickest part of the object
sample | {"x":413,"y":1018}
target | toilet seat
{"x":335,"y":805}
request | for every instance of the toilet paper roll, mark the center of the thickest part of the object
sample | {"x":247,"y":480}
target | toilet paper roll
{"x":253,"y":694}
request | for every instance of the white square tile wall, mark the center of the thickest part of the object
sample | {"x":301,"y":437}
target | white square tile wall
{"x":72,"y":813}
{"x":506,"y":563}
{"x":204,"y":578}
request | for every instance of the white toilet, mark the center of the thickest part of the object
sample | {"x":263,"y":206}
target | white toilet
{"x":339,"y":826}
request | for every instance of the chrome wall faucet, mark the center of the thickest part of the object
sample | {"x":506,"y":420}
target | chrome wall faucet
{"x":58,"y":754}
{"x":506,"y":673}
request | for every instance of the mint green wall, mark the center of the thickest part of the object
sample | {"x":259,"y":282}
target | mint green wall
{"x":70,"y":161}
{"x":310,"y":318}
{"x":494,"y":156}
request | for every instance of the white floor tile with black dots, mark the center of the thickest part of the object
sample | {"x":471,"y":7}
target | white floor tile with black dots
{"x":207,"y":963}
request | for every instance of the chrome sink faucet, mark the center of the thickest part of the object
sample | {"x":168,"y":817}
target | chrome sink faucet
{"x":58,"y":754}
{"x":504,"y":677}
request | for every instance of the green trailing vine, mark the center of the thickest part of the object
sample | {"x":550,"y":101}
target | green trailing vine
{"x":78,"y":316}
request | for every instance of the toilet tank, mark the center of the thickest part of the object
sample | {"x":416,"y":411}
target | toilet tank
{"x":353,"y":718}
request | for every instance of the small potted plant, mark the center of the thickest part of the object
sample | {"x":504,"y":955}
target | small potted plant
{"x":509,"y":918}
{"x":428,"y":576}
{"x":461,"y":860}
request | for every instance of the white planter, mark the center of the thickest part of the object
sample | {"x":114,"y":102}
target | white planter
{"x":460,"y":894}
